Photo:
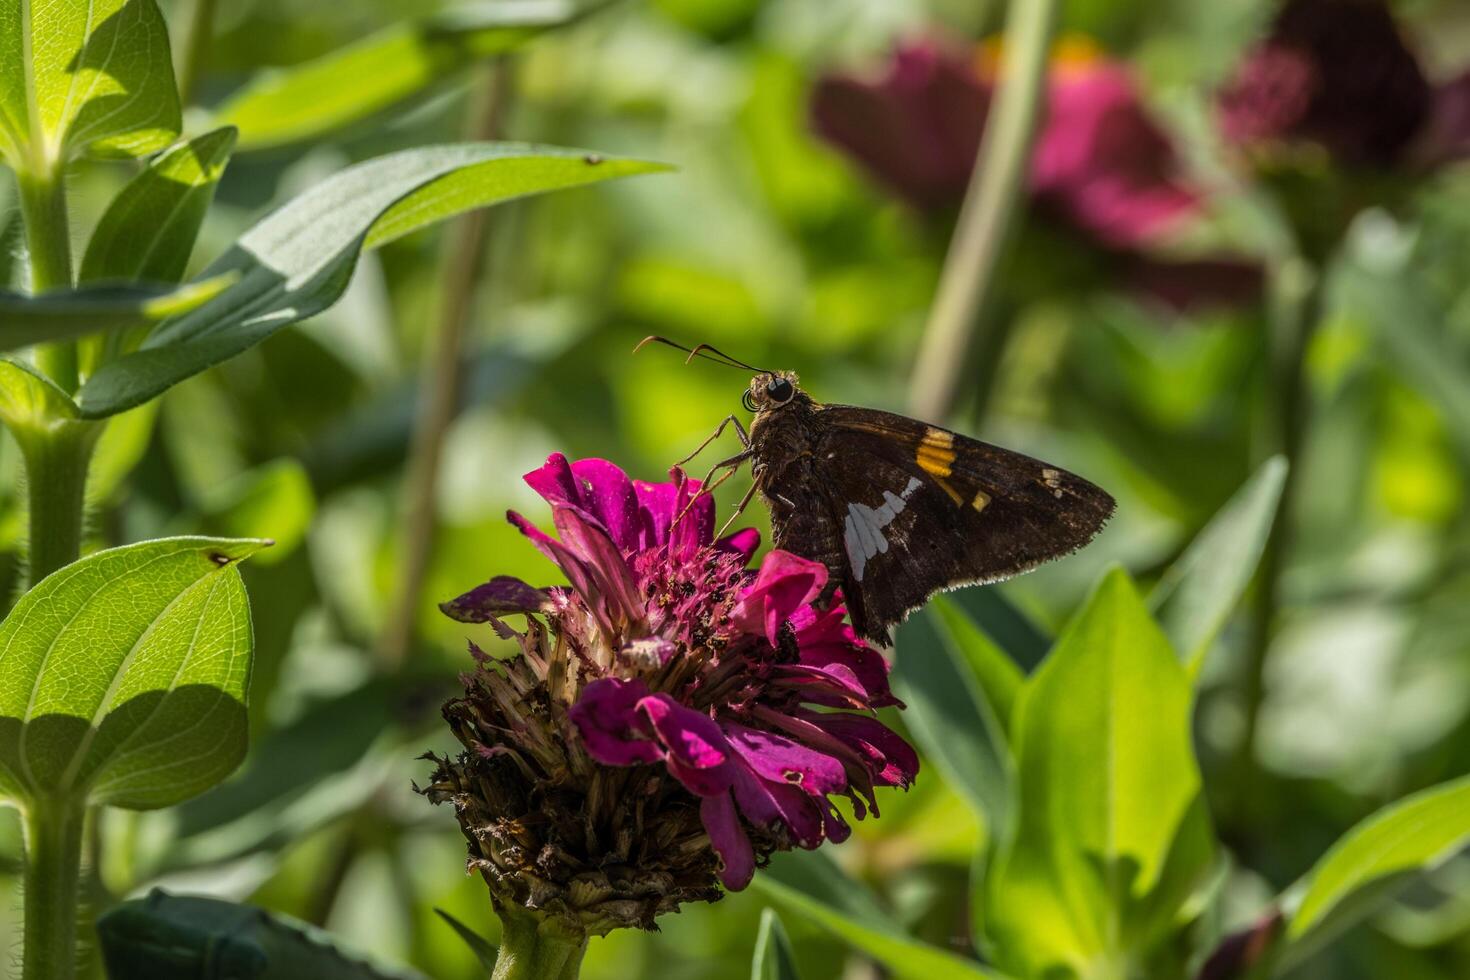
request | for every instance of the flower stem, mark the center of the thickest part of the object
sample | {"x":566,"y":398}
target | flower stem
{"x":997,"y":186}
{"x":56,"y":461}
{"x":53,"y":837}
{"x":48,"y":244}
{"x":464,"y":256}
{"x":196,"y":45}
{"x":530,"y":949}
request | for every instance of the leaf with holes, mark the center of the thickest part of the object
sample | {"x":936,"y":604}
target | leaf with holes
{"x":123,"y":677}
{"x":84,"y":76}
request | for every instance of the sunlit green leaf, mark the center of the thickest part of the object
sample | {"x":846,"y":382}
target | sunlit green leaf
{"x":28,"y":399}
{"x":355,"y":82}
{"x":297,"y":261}
{"x":1197,"y":593}
{"x":773,"y":959}
{"x":68,"y":313}
{"x":148,"y":230}
{"x":77,"y":76}
{"x":1112,"y":836}
{"x":123,"y":676}
{"x":1375,"y":860}
{"x":808,"y":885}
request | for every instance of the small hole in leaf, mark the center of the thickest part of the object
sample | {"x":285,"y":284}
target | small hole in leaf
{"x":593,"y":159}
{"x":792,"y":776}
{"x":219,"y":558}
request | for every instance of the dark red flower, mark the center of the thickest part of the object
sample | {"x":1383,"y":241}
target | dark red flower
{"x":741,"y":692}
{"x":1337,"y":73}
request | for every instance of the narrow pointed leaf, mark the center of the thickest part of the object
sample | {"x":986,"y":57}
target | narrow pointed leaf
{"x":1112,"y":836}
{"x":297,"y":261}
{"x":29,"y":399}
{"x":773,"y":959}
{"x":1377,"y":859}
{"x":69,"y":313}
{"x":484,"y":951}
{"x":356,"y":82}
{"x":809,"y":885}
{"x":123,"y":676}
{"x":148,"y":230}
{"x":1196,"y":595}
{"x":959,"y":687}
{"x":95,"y":76}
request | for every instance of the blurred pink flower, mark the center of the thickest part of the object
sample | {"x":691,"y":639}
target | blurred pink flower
{"x":1101,"y":166}
{"x":1341,"y":75}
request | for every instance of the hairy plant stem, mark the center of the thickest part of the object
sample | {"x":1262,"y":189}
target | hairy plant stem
{"x":1296,"y":321}
{"x":531,"y":950}
{"x":56,"y":461}
{"x":464,"y":257}
{"x":48,"y":245}
{"x":196,"y":45}
{"x":53,"y":839}
{"x":997,"y":186}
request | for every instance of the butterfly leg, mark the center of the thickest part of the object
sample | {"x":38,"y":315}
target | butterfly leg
{"x":730,"y":466}
{"x":739,"y":431}
{"x":739,"y":509}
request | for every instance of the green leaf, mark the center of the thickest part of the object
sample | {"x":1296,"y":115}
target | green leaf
{"x":77,"y":76}
{"x":959,"y":688}
{"x":1196,"y":595}
{"x":1375,"y":860}
{"x":1112,"y":836}
{"x":148,"y":230}
{"x":64,"y":314}
{"x":123,"y":676}
{"x":484,"y":951}
{"x":808,"y":885}
{"x":382,"y":70}
{"x":773,"y":959}
{"x":297,"y":262}
{"x":29,"y":399}
{"x":186,"y":936}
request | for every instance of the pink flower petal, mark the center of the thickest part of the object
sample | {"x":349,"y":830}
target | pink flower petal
{"x":784,"y":584}
{"x":743,"y":543}
{"x":737,"y":859}
{"x":613,"y":731}
{"x":783,"y":760}
{"x":500,"y":596}
{"x":695,"y":748}
{"x":768,"y":803}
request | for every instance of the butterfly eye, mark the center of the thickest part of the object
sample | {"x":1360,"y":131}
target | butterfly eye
{"x":780,"y":390}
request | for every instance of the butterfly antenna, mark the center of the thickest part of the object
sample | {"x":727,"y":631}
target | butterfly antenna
{"x":702,"y":351}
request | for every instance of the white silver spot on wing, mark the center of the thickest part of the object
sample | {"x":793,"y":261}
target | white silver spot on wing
{"x":862,"y":532}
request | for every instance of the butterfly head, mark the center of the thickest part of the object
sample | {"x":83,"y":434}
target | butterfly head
{"x":771,"y":390}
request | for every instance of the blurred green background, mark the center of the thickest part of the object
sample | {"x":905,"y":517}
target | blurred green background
{"x":768,"y":243}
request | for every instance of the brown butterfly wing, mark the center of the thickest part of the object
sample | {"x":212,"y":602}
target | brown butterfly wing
{"x":912,"y":510}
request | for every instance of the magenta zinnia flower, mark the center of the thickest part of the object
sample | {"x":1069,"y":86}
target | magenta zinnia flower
{"x":685,"y":714}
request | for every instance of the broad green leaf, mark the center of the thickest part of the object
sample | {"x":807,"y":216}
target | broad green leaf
{"x":807,"y":884}
{"x":28,"y":399}
{"x":77,"y":76}
{"x":484,"y":951}
{"x":346,"y":86}
{"x":1197,"y":593}
{"x":148,"y":231}
{"x":1005,"y":624}
{"x":123,"y":676}
{"x":959,"y":687}
{"x":68,"y":313}
{"x":1112,"y":836}
{"x":773,"y":959}
{"x":184,"y":935}
{"x":297,"y":261}
{"x":1375,"y":860}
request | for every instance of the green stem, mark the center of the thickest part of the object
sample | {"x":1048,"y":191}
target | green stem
{"x":196,"y":45}
{"x":531,"y":949}
{"x":464,"y":259}
{"x":56,"y":461}
{"x":53,"y":837}
{"x":1295,"y":323}
{"x":48,"y":244}
{"x":997,"y":186}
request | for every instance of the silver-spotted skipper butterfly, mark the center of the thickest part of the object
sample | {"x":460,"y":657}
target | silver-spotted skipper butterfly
{"x":897,"y":509}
